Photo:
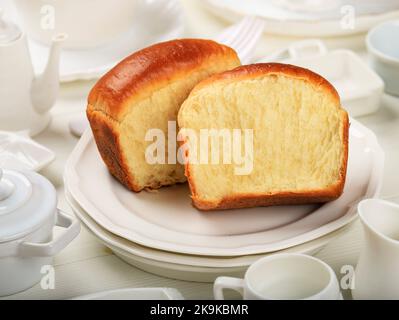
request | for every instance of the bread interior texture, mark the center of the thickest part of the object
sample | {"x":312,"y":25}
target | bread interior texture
{"x":153,"y":112}
{"x":298,"y":136}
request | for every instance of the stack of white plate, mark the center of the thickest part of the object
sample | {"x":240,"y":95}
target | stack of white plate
{"x":162,"y":233}
{"x":304,"y":18}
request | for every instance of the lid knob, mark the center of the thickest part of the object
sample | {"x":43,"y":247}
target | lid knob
{"x":6,"y":187}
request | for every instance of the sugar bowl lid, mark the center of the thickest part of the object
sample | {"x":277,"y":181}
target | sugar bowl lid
{"x":27,"y":201}
{"x":9,"y":32}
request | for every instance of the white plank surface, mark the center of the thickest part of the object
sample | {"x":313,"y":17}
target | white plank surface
{"x":86,"y":266}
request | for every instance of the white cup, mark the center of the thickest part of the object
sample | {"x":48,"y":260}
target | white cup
{"x":383,"y":46}
{"x":284,"y":276}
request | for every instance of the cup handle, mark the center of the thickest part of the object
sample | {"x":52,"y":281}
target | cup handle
{"x":222,"y":283}
{"x":303,"y":48}
{"x":51,"y":248}
{"x":318,"y":47}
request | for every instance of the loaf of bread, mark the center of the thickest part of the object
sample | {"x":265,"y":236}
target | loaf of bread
{"x":143,"y":92}
{"x":300,"y":138}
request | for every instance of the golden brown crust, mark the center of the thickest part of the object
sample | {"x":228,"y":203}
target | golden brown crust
{"x":152,"y":67}
{"x":344,"y":167}
{"x":256,"y":200}
{"x":107,"y":140}
{"x":140,"y":74}
{"x":280,"y":198}
{"x":263,"y":69}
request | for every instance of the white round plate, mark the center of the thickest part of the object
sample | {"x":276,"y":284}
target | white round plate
{"x":185,"y":267}
{"x":293,"y":18}
{"x":155,"y":22}
{"x":166,"y":220}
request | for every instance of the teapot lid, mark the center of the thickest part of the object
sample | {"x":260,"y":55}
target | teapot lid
{"x":9,"y":31}
{"x":27,"y":201}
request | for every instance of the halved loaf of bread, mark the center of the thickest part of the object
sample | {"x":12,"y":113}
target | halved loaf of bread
{"x":300,"y":138}
{"x":144,"y":92}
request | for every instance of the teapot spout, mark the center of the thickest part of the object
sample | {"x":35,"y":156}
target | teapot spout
{"x":45,"y":87}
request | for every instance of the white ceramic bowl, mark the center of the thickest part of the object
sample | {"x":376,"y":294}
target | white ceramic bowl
{"x":88,"y":23}
{"x":383,"y":45}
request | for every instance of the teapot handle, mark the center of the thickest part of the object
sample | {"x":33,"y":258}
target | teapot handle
{"x":299,"y":49}
{"x":307,"y":48}
{"x":53,"y":247}
{"x":221,"y":283}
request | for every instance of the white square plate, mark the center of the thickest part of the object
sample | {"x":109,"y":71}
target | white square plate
{"x":358,"y":86}
{"x":135,"y":294}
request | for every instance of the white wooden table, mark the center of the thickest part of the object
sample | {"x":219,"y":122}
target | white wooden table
{"x":86,"y":266}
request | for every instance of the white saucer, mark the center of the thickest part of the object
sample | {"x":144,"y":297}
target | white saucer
{"x":154,"y":23}
{"x":166,"y":220}
{"x":185,"y":267}
{"x":298,"y":20}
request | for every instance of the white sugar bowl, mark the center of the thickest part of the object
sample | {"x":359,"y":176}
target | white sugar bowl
{"x":28,"y":215}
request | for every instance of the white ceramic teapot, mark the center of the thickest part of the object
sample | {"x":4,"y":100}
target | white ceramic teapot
{"x":24,"y":99}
